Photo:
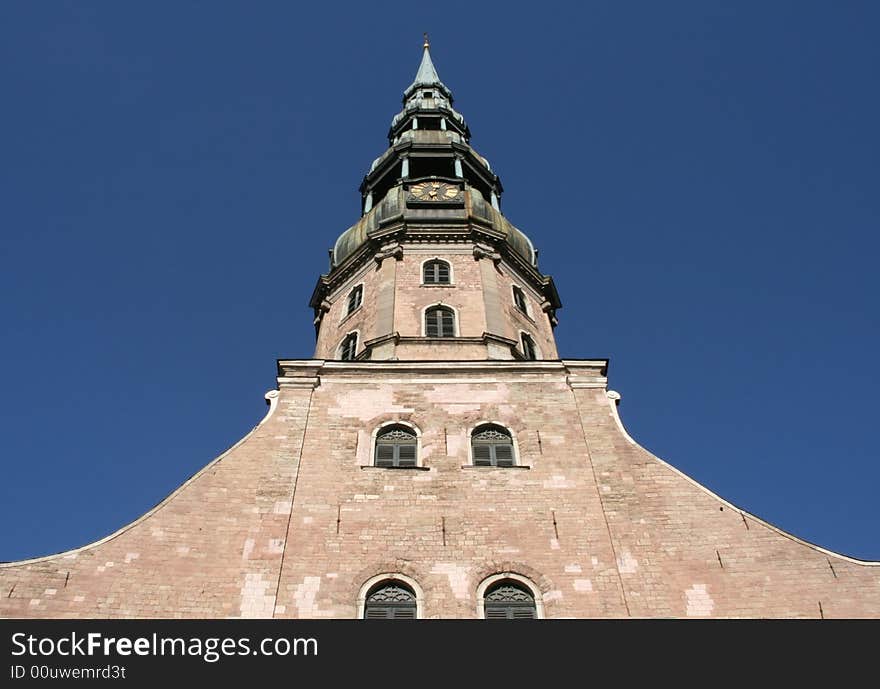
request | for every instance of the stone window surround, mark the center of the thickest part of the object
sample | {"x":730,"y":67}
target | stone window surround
{"x":468,"y":434}
{"x":375,"y":434}
{"x":538,"y":354}
{"x":481,"y":590}
{"x":390,"y":577}
{"x":422,"y":282}
{"x":346,"y":313}
{"x":489,"y":581}
{"x":342,"y":344}
{"x":456,"y":328}
{"x":517,"y":464}
{"x":527,"y":312}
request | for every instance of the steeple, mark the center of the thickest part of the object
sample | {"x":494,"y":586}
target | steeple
{"x":427,"y":76}
{"x":429,"y":98}
{"x":433,"y":269}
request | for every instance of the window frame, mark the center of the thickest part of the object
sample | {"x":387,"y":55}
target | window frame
{"x":372,"y":584}
{"x":340,"y":350}
{"x":424,"y":268}
{"x":524,"y":307}
{"x":509,"y":608}
{"x":356,"y":290}
{"x":493,"y":458}
{"x":523,"y":336}
{"x":491,"y":581}
{"x":433,"y":308}
{"x":386,"y":428}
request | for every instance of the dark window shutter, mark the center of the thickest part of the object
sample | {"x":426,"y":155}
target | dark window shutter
{"x":442,"y":272}
{"x":439,"y":322}
{"x":492,"y":446}
{"x":495,"y":613}
{"x":433,"y":325}
{"x":377,"y":612}
{"x":349,"y":347}
{"x":406,"y":455}
{"x":390,"y":612}
{"x":354,"y":298}
{"x":396,"y":446}
{"x":522,"y":613}
{"x":504,"y":455}
{"x":528,"y":346}
{"x":404,"y":612}
{"x":447,"y":329}
{"x":519,"y":299}
{"x":436,"y":273}
{"x":482,"y":455}
{"x":384,"y":455}
{"x":392,"y":600}
{"x":509,"y":601}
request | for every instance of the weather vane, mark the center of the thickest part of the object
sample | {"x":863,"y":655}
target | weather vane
{"x":427,"y":44}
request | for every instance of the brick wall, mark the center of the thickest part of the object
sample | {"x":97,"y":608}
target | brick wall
{"x":599,"y":526}
{"x":466,"y":294}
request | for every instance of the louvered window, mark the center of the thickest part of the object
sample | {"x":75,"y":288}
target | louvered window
{"x":349,"y":347}
{"x":492,"y":446}
{"x":436,"y":273}
{"x":396,"y":447}
{"x":440,"y":322}
{"x":390,"y":600}
{"x":508,"y":600}
{"x":519,"y":300}
{"x":355,"y":297}
{"x":528,"y":346}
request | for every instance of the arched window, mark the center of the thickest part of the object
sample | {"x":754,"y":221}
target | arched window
{"x":440,"y":322}
{"x":436,"y":273}
{"x":348,"y":348}
{"x":390,"y":600}
{"x":355,"y":297}
{"x":528,"y":347}
{"x":509,"y":600}
{"x":492,"y":446}
{"x":519,"y":300}
{"x":396,"y":447}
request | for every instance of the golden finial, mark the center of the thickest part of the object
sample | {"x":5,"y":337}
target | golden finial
{"x":427,"y":44}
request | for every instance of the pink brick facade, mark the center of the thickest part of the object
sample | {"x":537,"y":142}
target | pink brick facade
{"x":294,"y":521}
{"x":402,"y":277}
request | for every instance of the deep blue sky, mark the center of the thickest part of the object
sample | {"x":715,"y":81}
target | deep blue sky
{"x":701,"y":179}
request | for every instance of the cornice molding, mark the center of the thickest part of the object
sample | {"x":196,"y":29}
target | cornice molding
{"x":300,"y":373}
{"x":395,"y":337}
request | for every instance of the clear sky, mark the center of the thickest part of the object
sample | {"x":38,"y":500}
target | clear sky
{"x":701,"y":179}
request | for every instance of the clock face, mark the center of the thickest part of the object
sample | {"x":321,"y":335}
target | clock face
{"x":434,"y":191}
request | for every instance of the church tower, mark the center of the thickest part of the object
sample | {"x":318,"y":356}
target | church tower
{"x":433,"y":270}
{"x":436,"y":458}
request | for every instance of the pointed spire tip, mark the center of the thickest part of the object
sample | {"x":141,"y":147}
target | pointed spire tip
{"x":427,"y":42}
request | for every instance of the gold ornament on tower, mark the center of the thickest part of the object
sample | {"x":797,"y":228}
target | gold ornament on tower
{"x":434,"y":191}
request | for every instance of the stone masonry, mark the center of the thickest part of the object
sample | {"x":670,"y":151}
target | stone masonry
{"x":294,"y":519}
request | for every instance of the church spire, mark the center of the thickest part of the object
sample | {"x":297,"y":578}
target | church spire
{"x":427,"y":76}
{"x":431,"y":202}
